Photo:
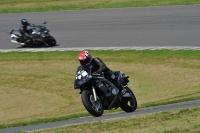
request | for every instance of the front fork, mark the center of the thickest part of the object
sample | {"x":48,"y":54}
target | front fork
{"x":94,"y":93}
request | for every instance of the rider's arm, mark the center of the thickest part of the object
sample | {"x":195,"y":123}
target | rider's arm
{"x":101,"y":65}
{"x":32,"y":25}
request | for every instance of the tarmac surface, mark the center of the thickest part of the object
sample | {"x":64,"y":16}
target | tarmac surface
{"x":122,"y":27}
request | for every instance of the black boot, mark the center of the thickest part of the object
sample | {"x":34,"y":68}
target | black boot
{"x":29,"y":40}
{"x":21,"y":40}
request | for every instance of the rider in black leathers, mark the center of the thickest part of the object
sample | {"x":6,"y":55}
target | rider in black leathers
{"x":98,"y":66}
{"x":26,"y":37}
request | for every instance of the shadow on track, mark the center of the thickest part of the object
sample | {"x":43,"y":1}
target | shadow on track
{"x":38,"y":46}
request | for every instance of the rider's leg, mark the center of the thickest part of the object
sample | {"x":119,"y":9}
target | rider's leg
{"x":112,"y":78}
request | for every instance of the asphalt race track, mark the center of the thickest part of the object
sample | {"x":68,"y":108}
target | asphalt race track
{"x":146,"y":26}
{"x":103,"y":117}
{"x":126,"y":27}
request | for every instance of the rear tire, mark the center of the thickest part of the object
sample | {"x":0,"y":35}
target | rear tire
{"x":94,"y":108}
{"x":130,"y":104}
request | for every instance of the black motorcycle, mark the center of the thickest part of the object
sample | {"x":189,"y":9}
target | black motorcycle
{"x":99,"y":94}
{"x":40,"y":35}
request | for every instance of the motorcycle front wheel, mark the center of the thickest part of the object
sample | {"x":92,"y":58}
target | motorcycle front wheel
{"x":95,"y":108}
{"x":129,"y":104}
{"x":51,"y":41}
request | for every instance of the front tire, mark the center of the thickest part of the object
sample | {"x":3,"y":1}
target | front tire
{"x":51,"y":41}
{"x":129,"y":104}
{"x":95,"y":108}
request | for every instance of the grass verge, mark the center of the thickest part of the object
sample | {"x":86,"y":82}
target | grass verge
{"x":13,"y":6}
{"x":38,"y":87}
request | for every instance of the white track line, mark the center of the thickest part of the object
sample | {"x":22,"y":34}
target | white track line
{"x":98,"y":48}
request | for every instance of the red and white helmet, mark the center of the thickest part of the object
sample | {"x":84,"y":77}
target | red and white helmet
{"x":85,"y":57}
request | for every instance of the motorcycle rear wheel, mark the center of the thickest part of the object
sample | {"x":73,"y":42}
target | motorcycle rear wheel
{"x":95,"y":108}
{"x":129,"y":105}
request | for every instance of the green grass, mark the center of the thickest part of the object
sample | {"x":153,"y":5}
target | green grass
{"x":38,"y":87}
{"x":10,"y":6}
{"x":176,"y":121}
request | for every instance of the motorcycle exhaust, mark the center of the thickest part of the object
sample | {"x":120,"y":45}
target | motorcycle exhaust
{"x":13,"y":41}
